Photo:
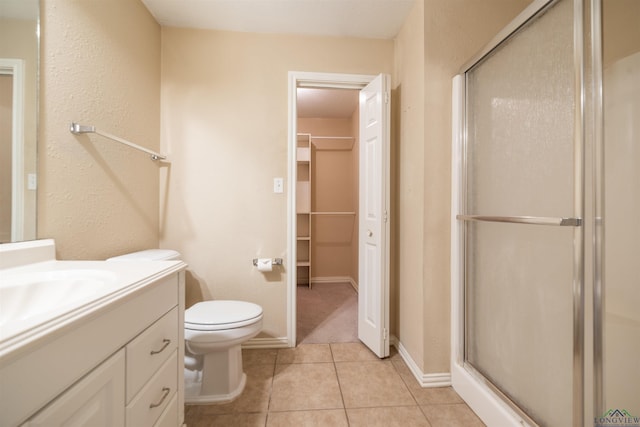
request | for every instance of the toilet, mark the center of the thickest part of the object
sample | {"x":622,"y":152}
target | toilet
{"x":213,"y":332}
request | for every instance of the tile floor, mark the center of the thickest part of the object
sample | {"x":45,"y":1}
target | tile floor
{"x":341,"y":384}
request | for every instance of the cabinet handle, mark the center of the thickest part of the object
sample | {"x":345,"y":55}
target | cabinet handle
{"x":165,"y":393}
{"x":166,"y":343}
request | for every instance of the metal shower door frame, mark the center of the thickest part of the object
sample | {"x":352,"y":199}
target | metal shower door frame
{"x":458,"y":225}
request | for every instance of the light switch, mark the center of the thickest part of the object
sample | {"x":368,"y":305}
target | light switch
{"x":278,"y":185}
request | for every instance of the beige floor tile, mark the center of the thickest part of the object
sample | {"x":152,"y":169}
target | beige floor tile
{"x":305,"y":353}
{"x":227,"y":420}
{"x":371,"y":384}
{"x":322,"y":418}
{"x":394,"y":416}
{"x":457,"y":415}
{"x":435,"y":396}
{"x":351,"y":352}
{"x":254,"y":398}
{"x":428,"y":395}
{"x":259,"y":356}
{"x":305,"y":386}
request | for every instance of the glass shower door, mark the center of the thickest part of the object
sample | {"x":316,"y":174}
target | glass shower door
{"x":522,"y":207}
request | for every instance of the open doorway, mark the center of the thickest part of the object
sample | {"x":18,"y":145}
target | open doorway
{"x":327,"y":215}
{"x":369,"y":220}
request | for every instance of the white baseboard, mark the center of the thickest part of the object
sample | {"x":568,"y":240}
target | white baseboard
{"x":425,"y":380}
{"x":335,"y":279}
{"x":281,"y":342}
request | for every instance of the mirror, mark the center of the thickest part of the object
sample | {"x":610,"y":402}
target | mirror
{"x":19,"y":63}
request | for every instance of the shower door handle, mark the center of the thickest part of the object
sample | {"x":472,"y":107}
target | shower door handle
{"x":533,"y":220}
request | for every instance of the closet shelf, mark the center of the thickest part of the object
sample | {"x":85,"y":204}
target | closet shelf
{"x":303,"y":208}
{"x":333,"y":143}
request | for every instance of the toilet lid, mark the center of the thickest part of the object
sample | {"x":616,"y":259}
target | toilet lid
{"x":221,"y":314}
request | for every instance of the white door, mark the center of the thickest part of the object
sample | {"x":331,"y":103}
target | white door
{"x":373,"y":287}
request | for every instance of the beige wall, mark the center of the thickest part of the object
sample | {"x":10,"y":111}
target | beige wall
{"x":435,"y":41}
{"x":454,"y":31}
{"x":224,"y":125}
{"x":621,"y":32}
{"x":101,"y":67}
{"x":407,"y":196}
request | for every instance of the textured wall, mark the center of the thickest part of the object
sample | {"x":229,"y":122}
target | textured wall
{"x":454,"y":31}
{"x":407,"y":196}
{"x":224,"y":124}
{"x":100,"y":66}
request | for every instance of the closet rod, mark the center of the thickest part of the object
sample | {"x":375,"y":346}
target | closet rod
{"x":333,"y":213}
{"x":332,"y":137}
{"x":77,"y":129}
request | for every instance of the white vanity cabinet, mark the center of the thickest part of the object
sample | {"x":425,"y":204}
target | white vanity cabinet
{"x":97,"y":400}
{"x":118,"y":365}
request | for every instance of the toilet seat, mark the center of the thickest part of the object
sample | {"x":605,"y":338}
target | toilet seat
{"x":220,"y":315}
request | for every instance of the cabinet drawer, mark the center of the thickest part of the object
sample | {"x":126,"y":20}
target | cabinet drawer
{"x":155,"y":396}
{"x":148,"y":351}
{"x":169,"y":417}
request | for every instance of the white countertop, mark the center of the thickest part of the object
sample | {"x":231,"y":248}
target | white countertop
{"x":119,"y":281}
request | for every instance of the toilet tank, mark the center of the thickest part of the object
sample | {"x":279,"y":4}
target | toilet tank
{"x":149,"y":255}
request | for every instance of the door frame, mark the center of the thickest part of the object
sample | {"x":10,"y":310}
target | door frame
{"x":315,"y":80}
{"x":16,"y":69}
{"x":479,"y":395}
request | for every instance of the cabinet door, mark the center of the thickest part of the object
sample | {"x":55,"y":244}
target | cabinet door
{"x":151,"y":401}
{"x":169,"y":417}
{"x":149,"y":350}
{"x":97,"y":400}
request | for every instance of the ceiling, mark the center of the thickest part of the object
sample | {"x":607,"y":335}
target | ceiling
{"x":326,"y":103}
{"x":376,"y":19}
{"x":379,"y":19}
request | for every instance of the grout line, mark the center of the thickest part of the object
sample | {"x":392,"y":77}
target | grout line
{"x":273,"y":379}
{"x":405,"y":383}
{"x":335,"y":368}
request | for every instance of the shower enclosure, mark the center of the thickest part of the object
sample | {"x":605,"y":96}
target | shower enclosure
{"x":546,"y":249}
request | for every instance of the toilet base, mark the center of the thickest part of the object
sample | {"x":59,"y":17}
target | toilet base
{"x":221,"y":378}
{"x":193,"y":388}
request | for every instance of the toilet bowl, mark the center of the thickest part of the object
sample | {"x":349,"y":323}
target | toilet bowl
{"x":214,"y":332}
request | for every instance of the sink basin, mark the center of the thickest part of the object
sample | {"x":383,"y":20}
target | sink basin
{"x":27,"y":298}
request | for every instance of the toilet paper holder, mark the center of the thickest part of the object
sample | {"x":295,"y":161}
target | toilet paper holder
{"x":275,"y":261}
